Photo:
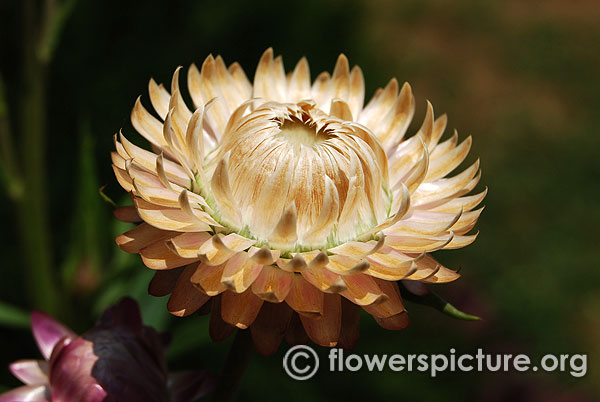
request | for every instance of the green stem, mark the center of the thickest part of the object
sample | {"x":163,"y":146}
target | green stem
{"x":432,"y":299}
{"x":235,"y":366}
{"x":55,"y":16}
{"x":32,"y":212}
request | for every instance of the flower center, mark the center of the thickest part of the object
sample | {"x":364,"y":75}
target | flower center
{"x":300,"y":179}
{"x":301,"y":132}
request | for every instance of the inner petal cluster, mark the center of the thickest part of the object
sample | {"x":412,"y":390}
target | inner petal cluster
{"x":299,"y":178}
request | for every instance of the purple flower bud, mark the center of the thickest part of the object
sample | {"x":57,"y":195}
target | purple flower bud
{"x":119,"y":359}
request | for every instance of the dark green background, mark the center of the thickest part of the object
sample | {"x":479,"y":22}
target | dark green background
{"x":521,"y":77}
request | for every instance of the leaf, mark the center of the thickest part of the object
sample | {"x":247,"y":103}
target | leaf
{"x":189,"y":335}
{"x":13,"y":317}
{"x":432,"y":299}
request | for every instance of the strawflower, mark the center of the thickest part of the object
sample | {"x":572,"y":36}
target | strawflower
{"x":287,"y":207}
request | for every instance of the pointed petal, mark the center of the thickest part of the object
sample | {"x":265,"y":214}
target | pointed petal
{"x":147,"y":160}
{"x":222,"y":192}
{"x":428,"y":265}
{"x":47,"y":332}
{"x":327,"y":216}
{"x":187,"y":245}
{"x":342,"y":265}
{"x":207,"y":278}
{"x":218,"y":329}
{"x":273,"y":284}
{"x":221,"y":248}
{"x":186,"y":299}
{"x":464,"y":203}
{"x":295,"y":334}
{"x":163,"y":282}
{"x":413,"y":226}
{"x":379,"y":105}
{"x":169,"y":218}
{"x":395,"y":322}
{"x":296,"y":264}
{"x":340,"y":109}
{"x":325,"y":330}
{"x":393,"y":127}
{"x":269,"y":79}
{"x":263,"y":256}
{"x":340,"y":79}
{"x":240,"y":272}
{"x":194,"y":139}
{"x":440,"y":166}
{"x":141,"y":237}
{"x":158,"y":256}
{"x":350,"y":331}
{"x":321,"y":92}
{"x":304,"y":298}
{"x":284,"y":235}
{"x":240,"y":80}
{"x":299,"y":84}
{"x":27,"y":393}
{"x":147,"y":125}
{"x":459,"y":241}
{"x":363,"y":290}
{"x":123,"y":178}
{"x":418,"y":244}
{"x":240,"y":310}
{"x":127,"y":214}
{"x":218,"y":114}
{"x":356,"y":96}
{"x":358,"y":249}
{"x":392,"y":305}
{"x":436,"y":191}
{"x":30,"y":371}
{"x":194,"y":209}
{"x":324,"y":280}
{"x":159,"y":97}
{"x":270,"y":326}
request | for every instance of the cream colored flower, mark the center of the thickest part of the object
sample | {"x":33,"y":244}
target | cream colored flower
{"x":290,"y":206}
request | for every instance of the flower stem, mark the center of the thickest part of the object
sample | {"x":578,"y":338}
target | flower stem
{"x":42,"y":25}
{"x":235,"y":366}
{"x":32,"y":208}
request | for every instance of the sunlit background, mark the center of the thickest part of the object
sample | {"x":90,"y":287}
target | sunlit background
{"x":520,"y":76}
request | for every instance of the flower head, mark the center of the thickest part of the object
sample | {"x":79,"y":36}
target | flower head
{"x":118,"y":360}
{"x":288,"y":206}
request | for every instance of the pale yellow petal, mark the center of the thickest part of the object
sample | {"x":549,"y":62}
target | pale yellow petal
{"x":159,"y":97}
{"x":299,"y":83}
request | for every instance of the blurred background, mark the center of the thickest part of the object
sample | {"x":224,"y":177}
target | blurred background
{"x":520,"y":76}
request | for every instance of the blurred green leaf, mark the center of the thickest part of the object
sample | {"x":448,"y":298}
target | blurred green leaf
{"x":191,"y":334}
{"x":81,"y":267}
{"x":13,"y":317}
{"x":133,"y":282}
